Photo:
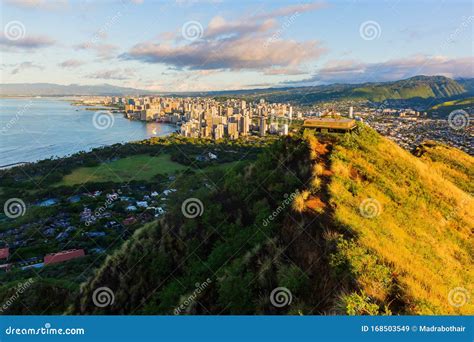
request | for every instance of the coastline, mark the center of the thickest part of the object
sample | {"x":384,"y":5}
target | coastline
{"x":37,"y":129}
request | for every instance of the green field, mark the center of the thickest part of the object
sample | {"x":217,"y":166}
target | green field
{"x":139,"y":167}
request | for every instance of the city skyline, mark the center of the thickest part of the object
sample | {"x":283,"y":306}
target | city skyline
{"x":221,"y":45}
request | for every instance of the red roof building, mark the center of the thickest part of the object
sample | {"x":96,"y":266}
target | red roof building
{"x":54,"y":258}
{"x":129,"y":220}
{"x":4,"y":253}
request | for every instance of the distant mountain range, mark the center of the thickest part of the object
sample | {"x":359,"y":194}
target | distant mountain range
{"x":51,"y":89}
{"x":414,"y":88}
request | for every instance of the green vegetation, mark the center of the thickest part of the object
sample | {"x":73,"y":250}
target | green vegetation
{"x":463,"y":102}
{"x":444,"y":108}
{"x":421,"y":227}
{"x":415,"y":88}
{"x":403,"y":260}
{"x":139,"y":167}
{"x":349,"y":224}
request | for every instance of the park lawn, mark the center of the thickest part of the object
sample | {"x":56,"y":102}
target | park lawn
{"x":139,"y":167}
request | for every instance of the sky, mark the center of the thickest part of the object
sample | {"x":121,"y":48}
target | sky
{"x":189,"y":45}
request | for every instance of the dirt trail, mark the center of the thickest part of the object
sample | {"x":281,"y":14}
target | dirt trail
{"x":309,"y":248}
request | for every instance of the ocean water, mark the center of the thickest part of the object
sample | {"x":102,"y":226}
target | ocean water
{"x":32,"y":129}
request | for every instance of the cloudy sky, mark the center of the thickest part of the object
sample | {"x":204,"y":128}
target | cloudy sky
{"x":212,"y":45}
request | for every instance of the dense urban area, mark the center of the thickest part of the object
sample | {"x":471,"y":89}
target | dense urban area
{"x":198,"y":117}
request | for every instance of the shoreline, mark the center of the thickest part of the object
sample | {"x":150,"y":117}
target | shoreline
{"x":23,"y":163}
{"x":9,"y":166}
{"x":52,"y":148}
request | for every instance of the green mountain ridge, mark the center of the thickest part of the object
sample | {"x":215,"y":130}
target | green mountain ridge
{"x":414,"y":88}
{"x":369,"y":229}
{"x":418,"y":87}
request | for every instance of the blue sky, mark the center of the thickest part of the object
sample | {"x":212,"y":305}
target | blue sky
{"x":211,"y":45}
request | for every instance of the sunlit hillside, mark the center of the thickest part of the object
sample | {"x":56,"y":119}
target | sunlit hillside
{"x":418,"y":221}
{"x":370,"y":229}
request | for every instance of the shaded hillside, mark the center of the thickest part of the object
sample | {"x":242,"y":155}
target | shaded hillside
{"x":347,"y":224}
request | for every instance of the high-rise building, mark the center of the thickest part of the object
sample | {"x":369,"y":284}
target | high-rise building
{"x":232,"y":131}
{"x":263,"y":126}
{"x":218,"y":131}
{"x":351,"y":112}
{"x":245,"y":125}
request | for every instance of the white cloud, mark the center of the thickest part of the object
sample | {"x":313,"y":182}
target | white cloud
{"x":103,"y":51}
{"x":240,"y":44}
{"x":350,"y":71}
{"x":28,"y":42}
{"x":25,"y":66}
{"x":38,"y":4}
{"x":71,"y":63}
{"x":113,"y":74}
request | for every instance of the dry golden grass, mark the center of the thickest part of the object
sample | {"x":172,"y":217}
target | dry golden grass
{"x":423,"y":230}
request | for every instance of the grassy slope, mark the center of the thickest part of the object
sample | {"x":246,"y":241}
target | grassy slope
{"x":462,"y":102}
{"x":449,"y":106}
{"x":422,"y":231}
{"x":406,"y":260}
{"x":139,"y":167}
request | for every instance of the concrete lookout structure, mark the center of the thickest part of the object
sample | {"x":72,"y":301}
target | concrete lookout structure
{"x":330,"y":125}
